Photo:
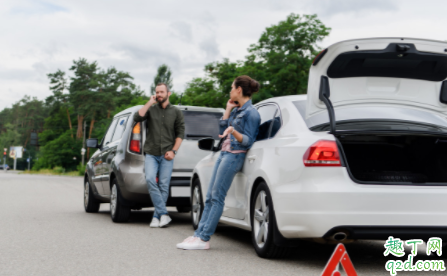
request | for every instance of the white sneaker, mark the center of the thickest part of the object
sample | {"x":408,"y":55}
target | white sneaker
{"x":196,"y":244}
{"x":180,"y":245}
{"x":164,"y":220}
{"x":155,"y":223}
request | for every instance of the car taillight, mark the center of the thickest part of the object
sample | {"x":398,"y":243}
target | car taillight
{"x":323,"y":153}
{"x":135,"y":139}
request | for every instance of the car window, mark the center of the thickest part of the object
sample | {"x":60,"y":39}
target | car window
{"x":201,"y":124}
{"x":110,"y":131}
{"x":266,"y":112}
{"x":276,"y":124}
{"x":120,"y":127}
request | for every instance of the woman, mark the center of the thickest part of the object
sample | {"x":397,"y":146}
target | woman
{"x":240,"y":126}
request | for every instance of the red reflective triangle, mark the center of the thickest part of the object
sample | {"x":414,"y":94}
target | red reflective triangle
{"x":339,"y":256}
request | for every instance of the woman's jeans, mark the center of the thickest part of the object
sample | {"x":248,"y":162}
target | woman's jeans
{"x":159,"y":192}
{"x":226,"y":167}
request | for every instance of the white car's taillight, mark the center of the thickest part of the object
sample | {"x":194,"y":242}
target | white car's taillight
{"x":135,"y":139}
{"x":323,"y":153}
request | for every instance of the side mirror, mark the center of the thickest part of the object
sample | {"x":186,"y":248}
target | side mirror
{"x":206,"y":144}
{"x":92,"y":143}
{"x":443,"y":94}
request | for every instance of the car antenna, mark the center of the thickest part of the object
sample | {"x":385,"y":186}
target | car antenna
{"x":180,"y":101}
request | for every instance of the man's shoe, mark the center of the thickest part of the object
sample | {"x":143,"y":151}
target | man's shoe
{"x":164,"y":220}
{"x":196,"y":244}
{"x":155,"y":223}
{"x":180,"y":245}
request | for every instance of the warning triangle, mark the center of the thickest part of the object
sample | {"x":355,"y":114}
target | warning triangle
{"x":339,"y":256}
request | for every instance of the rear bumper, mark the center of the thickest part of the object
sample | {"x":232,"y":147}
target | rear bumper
{"x":326,"y":199}
{"x":138,"y":194}
{"x":383,"y":232}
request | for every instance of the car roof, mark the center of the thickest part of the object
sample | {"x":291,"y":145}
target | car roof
{"x":181,"y":107}
{"x":376,"y":39}
{"x":284,"y":99}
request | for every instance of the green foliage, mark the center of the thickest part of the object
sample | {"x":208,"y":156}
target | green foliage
{"x":203,"y":92}
{"x":81,"y":169}
{"x":279,"y":60}
{"x":58,"y":170}
{"x":164,"y":76}
{"x":60,"y":152}
{"x":283,"y":55}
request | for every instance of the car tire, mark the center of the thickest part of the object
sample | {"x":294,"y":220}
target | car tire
{"x":196,"y":203}
{"x":118,"y":211}
{"x":183,"y":209}
{"x":91,"y":204}
{"x":263,"y":223}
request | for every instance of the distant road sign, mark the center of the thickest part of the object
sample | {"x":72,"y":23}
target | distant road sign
{"x":16,"y":152}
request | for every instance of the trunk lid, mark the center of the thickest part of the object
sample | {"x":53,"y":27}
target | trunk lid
{"x":379,"y":72}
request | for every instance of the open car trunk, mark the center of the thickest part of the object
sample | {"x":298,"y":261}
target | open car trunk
{"x":408,"y":159}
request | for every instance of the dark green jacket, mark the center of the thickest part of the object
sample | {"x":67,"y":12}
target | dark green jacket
{"x":163,"y":126}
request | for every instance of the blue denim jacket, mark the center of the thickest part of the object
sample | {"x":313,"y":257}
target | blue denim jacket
{"x":245,"y":120}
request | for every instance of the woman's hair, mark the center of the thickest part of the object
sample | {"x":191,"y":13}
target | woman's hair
{"x":249,"y":86}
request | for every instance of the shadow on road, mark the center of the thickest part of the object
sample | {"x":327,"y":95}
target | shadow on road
{"x":366,"y":255}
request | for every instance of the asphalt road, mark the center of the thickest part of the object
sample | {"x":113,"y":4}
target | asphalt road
{"x":45,"y":231}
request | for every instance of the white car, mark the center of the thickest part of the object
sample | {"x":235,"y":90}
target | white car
{"x":362,"y":156}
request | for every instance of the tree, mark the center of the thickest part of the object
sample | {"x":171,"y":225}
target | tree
{"x":64,"y":151}
{"x":82,"y":84}
{"x":58,"y":84}
{"x":280,"y":61}
{"x":283,"y":55}
{"x":163,"y":75}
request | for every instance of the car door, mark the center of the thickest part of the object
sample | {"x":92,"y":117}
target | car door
{"x":98,"y":167}
{"x":109,"y":151}
{"x":236,"y":202}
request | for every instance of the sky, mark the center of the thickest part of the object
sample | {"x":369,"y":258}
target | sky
{"x":136,"y":36}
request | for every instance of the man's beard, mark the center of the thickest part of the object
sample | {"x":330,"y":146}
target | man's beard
{"x":162,"y":100}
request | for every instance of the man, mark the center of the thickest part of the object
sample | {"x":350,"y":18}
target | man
{"x":165,"y":132}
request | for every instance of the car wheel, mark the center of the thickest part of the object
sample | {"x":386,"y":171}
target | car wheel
{"x":196,"y":203}
{"x":118,"y":211}
{"x":263,"y":223}
{"x":91,"y":204}
{"x":183,"y":209}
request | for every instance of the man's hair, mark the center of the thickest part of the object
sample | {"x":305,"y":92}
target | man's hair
{"x":162,"y":83}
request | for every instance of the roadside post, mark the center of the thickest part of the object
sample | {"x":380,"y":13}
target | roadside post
{"x":4,"y":159}
{"x":82,"y":153}
{"x":83,"y":144}
{"x":16,"y":152}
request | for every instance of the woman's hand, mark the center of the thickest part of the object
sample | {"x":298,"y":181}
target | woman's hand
{"x":231,"y":105}
{"x":227,"y":131}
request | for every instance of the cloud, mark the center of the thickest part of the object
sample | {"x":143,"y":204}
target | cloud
{"x":148,"y":55}
{"x":335,"y":7}
{"x":37,"y":7}
{"x":182,"y":30}
{"x":210,"y":47}
{"x":41,"y":36}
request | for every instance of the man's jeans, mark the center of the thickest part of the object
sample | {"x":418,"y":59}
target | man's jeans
{"x":226,"y":167}
{"x":159,"y":192}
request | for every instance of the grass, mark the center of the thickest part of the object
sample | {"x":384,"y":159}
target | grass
{"x":54,"y":171}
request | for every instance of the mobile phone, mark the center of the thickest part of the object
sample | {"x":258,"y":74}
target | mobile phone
{"x":236,"y":102}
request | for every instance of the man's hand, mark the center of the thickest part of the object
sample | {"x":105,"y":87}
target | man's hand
{"x":169,"y":155}
{"x":226,"y":132}
{"x":152,"y":100}
{"x":142,"y":112}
